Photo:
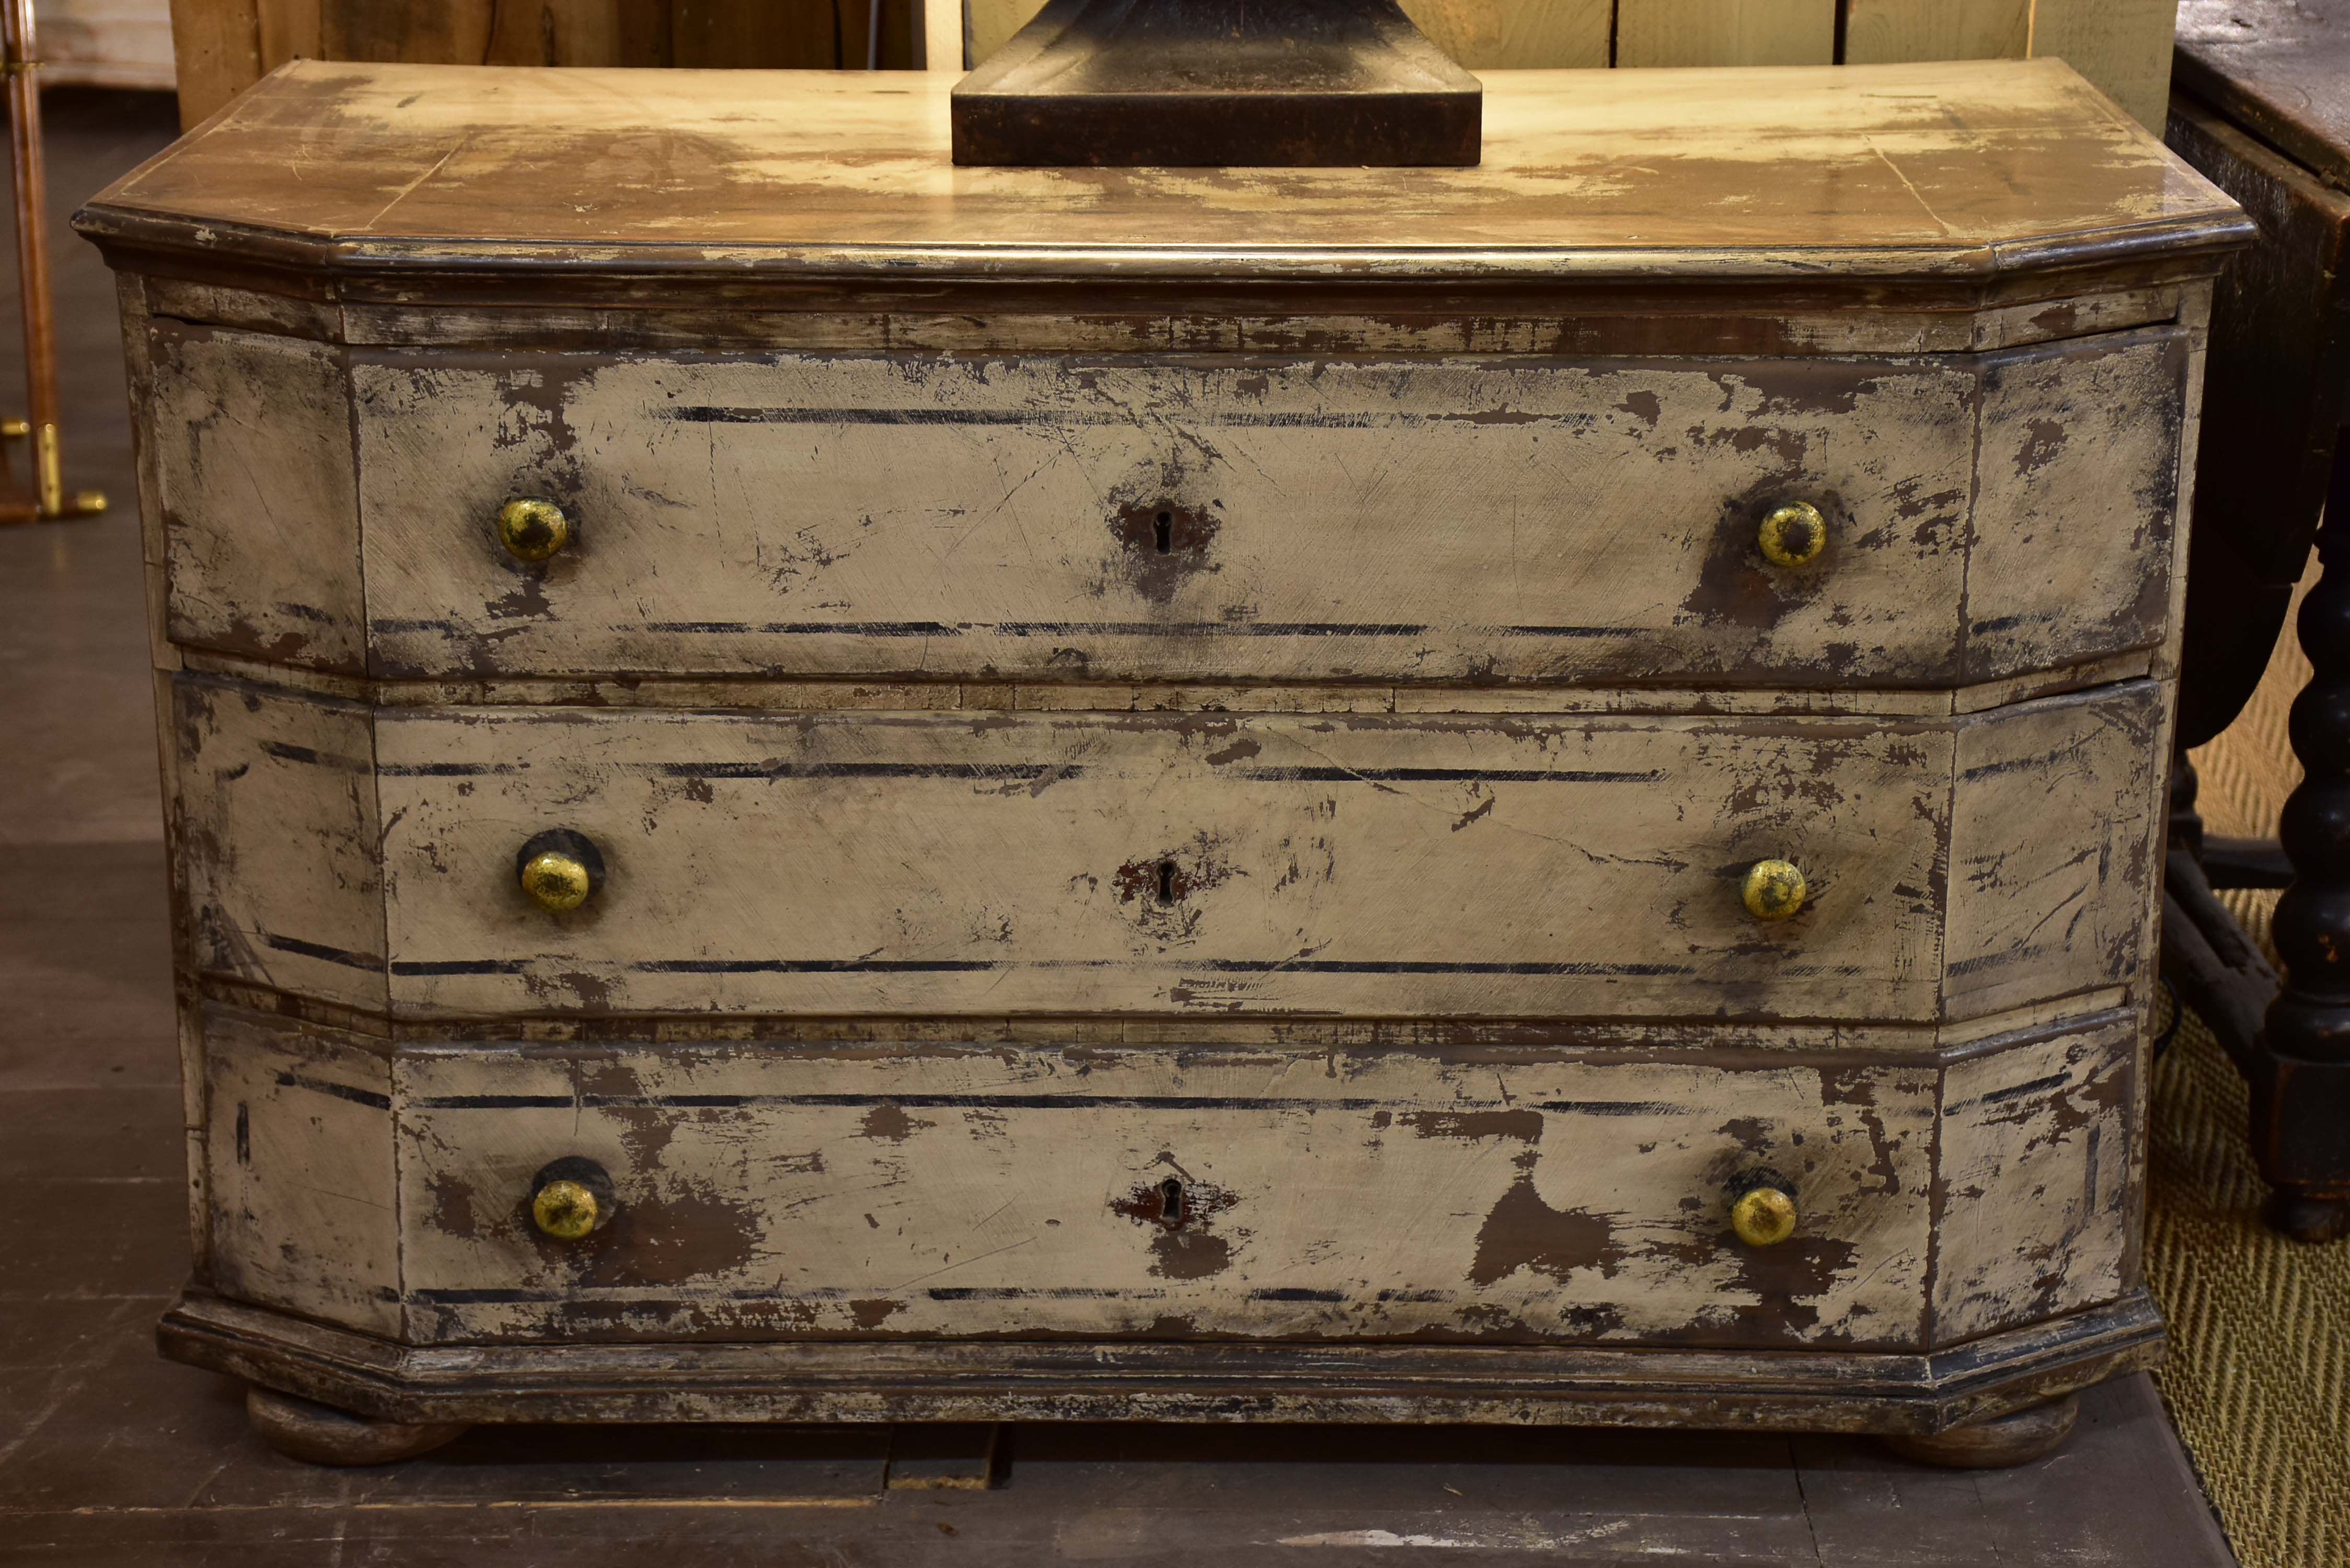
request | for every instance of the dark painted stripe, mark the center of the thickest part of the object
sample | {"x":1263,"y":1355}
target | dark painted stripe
{"x":316,"y":759}
{"x":340,"y":1091}
{"x":1000,"y":1102}
{"x":1205,"y":628}
{"x":812,"y":627}
{"x":2020,"y":1091}
{"x":1613,"y":1108}
{"x":1009,"y":772}
{"x":1440,"y":776}
{"x":1025,"y":1293}
{"x":1567,"y":630}
{"x":1297,"y":1294}
{"x":1216,"y":966}
{"x":1228,"y":419}
{"x":447,"y":770}
{"x":462,"y":966}
{"x":322,"y":952}
{"x":495,"y":1102}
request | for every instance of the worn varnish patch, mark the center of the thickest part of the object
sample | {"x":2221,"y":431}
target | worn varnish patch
{"x":250,"y":443}
{"x":2040,"y":1148}
{"x":1484,"y":865}
{"x":1145,"y":1192}
{"x":1051,"y":518}
{"x":301,"y":1206}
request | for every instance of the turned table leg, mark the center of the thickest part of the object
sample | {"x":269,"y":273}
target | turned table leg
{"x":322,"y":1435}
{"x":2015,"y":1438}
{"x":2300,"y":1071}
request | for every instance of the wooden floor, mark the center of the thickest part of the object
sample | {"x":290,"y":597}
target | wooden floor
{"x":108,"y":1455}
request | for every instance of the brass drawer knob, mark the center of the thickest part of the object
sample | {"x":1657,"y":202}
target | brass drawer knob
{"x":532,"y":529}
{"x":1763,"y":1216}
{"x":1792,"y":533}
{"x":570,"y":1198}
{"x":559,"y":870}
{"x":1773,"y":889}
{"x":566,"y":1210}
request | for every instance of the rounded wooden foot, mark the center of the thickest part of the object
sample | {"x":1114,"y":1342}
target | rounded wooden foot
{"x":300,"y":1430}
{"x":2010,"y":1439}
{"x":2295,"y":1214}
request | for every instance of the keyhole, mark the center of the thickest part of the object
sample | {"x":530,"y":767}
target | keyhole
{"x":1166,"y":881}
{"x":1163,"y":531}
{"x":1170,"y":1201}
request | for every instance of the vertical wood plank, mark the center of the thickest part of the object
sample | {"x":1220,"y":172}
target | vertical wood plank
{"x":1500,"y":35}
{"x":217,"y":46}
{"x":1879,"y":32}
{"x":2121,"y":46}
{"x":290,"y":30}
{"x":724,"y":33}
{"x":1726,"y":32}
{"x":1482,"y":35}
{"x":941,"y":33}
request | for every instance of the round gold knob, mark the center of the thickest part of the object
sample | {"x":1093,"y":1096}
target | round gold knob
{"x":1762,"y":1216}
{"x":566,"y":1210}
{"x":559,"y":870}
{"x":532,"y":529}
{"x":1792,"y":533}
{"x":1773,"y":889}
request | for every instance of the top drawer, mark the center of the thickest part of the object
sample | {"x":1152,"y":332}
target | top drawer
{"x":1041,"y":518}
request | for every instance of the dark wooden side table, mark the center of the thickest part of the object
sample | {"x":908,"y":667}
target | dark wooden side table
{"x":2260,"y":105}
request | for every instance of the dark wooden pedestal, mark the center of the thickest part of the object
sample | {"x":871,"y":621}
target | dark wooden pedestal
{"x":2263,"y":109}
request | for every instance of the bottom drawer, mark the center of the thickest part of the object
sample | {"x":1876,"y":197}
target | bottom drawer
{"x":1504,"y":1194}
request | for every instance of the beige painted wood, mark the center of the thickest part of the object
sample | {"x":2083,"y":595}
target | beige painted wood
{"x":256,"y":494}
{"x":887,"y":1192}
{"x":1499,"y":35}
{"x":899,"y":517}
{"x":2121,"y":46}
{"x":299,"y":1166}
{"x":2055,"y":847}
{"x":2079,"y":465}
{"x":1726,"y":32}
{"x":1346,"y":865}
{"x":274,"y":833}
{"x":2039,"y":1160}
{"x":216,"y":51}
{"x":1975,"y":169}
{"x":1876,"y":31}
{"x":902,"y":516}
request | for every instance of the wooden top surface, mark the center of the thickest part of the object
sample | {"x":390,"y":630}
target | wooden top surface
{"x":2281,"y":68}
{"x":1969,"y":168}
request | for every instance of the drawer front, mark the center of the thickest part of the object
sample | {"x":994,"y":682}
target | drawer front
{"x":1045,"y":518}
{"x":880,"y":1191}
{"x":1381,"y":867}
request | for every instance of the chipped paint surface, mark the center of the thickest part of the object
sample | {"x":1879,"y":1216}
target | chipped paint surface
{"x":1548,"y":1194}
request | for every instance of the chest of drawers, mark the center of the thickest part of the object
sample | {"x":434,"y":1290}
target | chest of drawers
{"x":809,"y":785}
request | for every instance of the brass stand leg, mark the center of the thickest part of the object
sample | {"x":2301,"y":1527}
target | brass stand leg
{"x":22,"y":66}
{"x":322,"y":1435}
{"x":2015,"y":1438}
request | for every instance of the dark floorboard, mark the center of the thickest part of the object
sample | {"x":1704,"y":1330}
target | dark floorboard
{"x":110,"y":1456}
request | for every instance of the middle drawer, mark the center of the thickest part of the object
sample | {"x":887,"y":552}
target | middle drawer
{"x":1462,"y":866}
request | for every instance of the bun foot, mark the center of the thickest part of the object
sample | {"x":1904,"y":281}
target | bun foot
{"x":322,"y":1435}
{"x":2015,"y":1438}
{"x":2295,"y":1214}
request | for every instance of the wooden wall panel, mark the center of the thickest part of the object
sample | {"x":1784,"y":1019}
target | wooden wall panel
{"x":1884,"y":31}
{"x":1492,"y":35}
{"x":1726,"y":32}
{"x":2122,"y":45}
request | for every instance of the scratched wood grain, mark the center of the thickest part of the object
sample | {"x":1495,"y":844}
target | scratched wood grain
{"x":975,"y":1192}
{"x":1342,"y":864}
{"x":274,"y":834}
{"x":2040,"y":1147}
{"x":2055,"y":847}
{"x":2078,"y":487}
{"x":303,"y":1206}
{"x":1496,"y":519}
{"x":918,"y":516}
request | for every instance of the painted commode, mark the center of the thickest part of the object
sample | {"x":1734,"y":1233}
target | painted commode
{"x":806,"y":785}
